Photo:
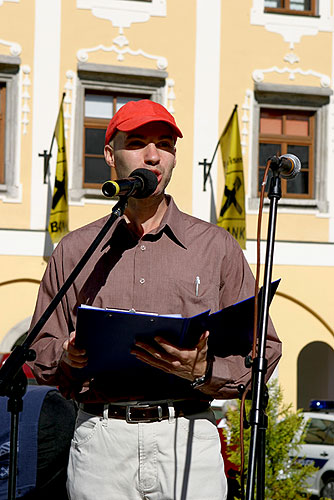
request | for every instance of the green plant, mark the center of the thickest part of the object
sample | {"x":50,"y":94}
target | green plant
{"x":285,"y":476}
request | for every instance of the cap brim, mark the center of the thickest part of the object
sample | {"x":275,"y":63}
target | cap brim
{"x":139,"y":121}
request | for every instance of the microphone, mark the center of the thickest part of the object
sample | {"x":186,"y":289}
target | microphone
{"x":140,"y":184}
{"x":287,"y":165}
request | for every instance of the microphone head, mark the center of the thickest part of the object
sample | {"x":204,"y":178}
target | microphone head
{"x":290,"y":166}
{"x":109,"y":189}
{"x":149,"y":182}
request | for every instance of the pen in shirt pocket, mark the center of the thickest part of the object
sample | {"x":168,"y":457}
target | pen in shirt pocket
{"x":197,"y":284}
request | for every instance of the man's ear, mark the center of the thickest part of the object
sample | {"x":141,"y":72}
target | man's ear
{"x":109,"y":155}
{"x":174,"y":158}
{"x":110,"y":160}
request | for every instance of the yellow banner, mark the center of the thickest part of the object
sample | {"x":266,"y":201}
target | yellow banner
{"x":232,"y":212}
{"x":58,"y":221}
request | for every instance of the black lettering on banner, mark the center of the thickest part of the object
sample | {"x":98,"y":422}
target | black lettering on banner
{"x":54,"y":227}
{"x":57,"y":227}
{"x":232,"y":161}
{"x":237,"y":232}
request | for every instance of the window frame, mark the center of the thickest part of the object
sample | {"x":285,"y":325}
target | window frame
{"x":151,"y":84}
{"x":286,"y":9}
{"x":296,"y":98}
{"x":3,"y":90}
{"x":91,"y":123}
{"x":9,"y":77}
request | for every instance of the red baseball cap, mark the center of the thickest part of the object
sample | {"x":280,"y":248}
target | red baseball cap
{"x":134,"y":114}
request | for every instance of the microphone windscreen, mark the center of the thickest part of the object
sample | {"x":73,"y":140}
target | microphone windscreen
{"x":149,"y":180}
{"x":290,"y":166}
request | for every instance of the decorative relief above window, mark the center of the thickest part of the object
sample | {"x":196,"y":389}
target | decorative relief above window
{"x":13,"y":1}
{"x":14,"y":48}
{"x":124,"y":12}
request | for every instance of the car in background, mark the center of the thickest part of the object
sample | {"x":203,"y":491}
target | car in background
{"x":319,"y":448}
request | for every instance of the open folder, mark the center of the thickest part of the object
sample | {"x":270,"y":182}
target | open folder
{"x":108,"y":335}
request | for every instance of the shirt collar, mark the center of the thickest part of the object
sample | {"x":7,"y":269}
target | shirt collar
{"x":173,"y":221}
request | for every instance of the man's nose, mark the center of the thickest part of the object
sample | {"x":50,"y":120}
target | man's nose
{"x":151,"y":154}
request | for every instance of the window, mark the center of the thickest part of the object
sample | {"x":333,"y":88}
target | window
{"x":99,"y":108}
{"x":288,"y":131}
{"x":297,"y":7}
{"x":2,"y":131}
{"x":320,"y":431}
{"x":101,"y":91}
{"x":291,"y":119}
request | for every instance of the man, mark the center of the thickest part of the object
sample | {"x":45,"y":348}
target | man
{"x":151,"y":436}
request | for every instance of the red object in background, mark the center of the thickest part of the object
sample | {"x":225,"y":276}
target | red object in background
{"x":27,"y":371}
{"x":229,"y":466}
{"x":231,"y":470}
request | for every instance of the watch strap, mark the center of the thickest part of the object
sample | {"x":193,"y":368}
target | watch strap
{"x":199,"y":381}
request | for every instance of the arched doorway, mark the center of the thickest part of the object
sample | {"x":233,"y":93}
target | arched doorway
{"x":14,"y":334}
{"x":13,"y":288}
{"x":315,"y":373}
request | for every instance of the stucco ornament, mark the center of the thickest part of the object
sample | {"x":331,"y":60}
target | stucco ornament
{"x":122,"y":14}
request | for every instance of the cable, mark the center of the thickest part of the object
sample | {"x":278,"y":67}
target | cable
{"x":255,"y":328}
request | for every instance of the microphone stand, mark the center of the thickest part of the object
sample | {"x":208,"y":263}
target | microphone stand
{"x":258,"y":418}
{"x":13,"y":382}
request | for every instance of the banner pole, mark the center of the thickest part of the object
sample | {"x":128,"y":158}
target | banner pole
{"x":204,"y":163}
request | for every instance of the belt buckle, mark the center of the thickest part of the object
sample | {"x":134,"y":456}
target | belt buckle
{"x":135,"y":420}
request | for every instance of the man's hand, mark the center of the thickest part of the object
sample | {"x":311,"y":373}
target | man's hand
{"x":74,"y":357}
{"x":185,"y":363}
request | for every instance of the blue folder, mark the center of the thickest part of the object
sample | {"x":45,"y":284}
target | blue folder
{"x":109,"y":335}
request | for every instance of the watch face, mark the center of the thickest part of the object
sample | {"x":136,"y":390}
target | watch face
{"x":198,"y":381}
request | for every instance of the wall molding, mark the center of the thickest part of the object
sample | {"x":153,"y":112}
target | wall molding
{"x":25,"y":110}
{"x":258,"y":75}
{"x":15,"y":48}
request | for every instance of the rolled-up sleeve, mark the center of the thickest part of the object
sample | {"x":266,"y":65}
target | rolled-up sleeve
{"x":48,"y":367}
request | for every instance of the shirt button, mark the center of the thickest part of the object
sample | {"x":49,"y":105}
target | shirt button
{"x":142,"y":281}
{"x":142,"y":247}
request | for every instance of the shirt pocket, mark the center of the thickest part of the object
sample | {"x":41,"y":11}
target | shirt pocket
{"x":191,"y":297}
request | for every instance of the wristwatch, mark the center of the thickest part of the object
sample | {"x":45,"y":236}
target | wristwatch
{"x":199,"y":381}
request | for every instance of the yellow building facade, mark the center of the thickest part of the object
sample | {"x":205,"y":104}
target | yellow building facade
{"x":198,"y":58}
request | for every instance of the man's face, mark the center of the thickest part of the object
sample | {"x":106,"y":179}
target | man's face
{"x":150,"y":146}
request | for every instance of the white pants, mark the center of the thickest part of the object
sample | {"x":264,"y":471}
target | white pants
{"x":179,"y":459}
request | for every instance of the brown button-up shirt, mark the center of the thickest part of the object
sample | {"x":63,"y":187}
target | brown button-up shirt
{"x":155,"y":273}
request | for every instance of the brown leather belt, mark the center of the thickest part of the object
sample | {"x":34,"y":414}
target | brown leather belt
{"x":153,"y":412}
